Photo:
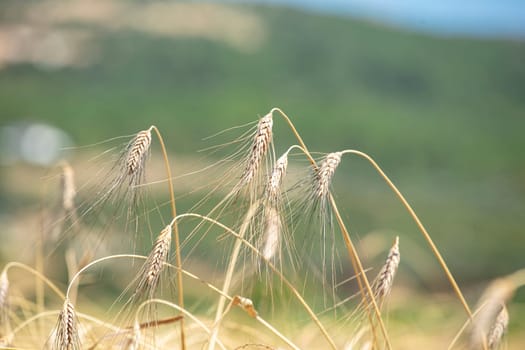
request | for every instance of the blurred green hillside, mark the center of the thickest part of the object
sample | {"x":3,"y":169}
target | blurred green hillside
{"x":444,"y":116}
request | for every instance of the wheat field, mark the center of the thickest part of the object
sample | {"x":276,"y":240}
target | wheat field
{"x":261,"y":257}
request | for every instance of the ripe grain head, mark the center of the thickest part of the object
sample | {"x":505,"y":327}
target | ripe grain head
{"x":498,"y":329}
{"x":490,"y":306}
{"x":382,"y":285}
{"x":272,"y":233}
{"x":276,"y":179}
{"x":137,"y":151}
{"x":260,"y":145}
{"x":67,"y":329}
{"x":324,"y":175}
{"x":157,"y":257}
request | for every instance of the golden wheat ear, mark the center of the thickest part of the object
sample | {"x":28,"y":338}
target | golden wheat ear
{"x":270,"y":242}
{"x":382,"y":285}
{"x":137,"y":152}
{"x":150,"y":272}
{"x":260,"y":145}
{"x":157,"y":258}
{"x":498,"y":329}
{"x":66,"y":333}
{"x":324,"y":175}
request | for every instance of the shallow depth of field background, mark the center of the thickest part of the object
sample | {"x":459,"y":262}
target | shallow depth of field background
{"x":444,"y":115}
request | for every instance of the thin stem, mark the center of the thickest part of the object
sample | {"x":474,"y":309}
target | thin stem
{"x":37,"y":274}
{"x":358,"y":268}
{"x":95,"y":262}
{"x":462,"y":329}
{"x":429,"y":240}
{"x":229,"y":275}
{"x":180,"y":309}
{"x":273,"y":268}
{"x":360,"y":271}
{"x":175,"y":233}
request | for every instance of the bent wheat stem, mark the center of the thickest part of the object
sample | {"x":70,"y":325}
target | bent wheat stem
{"x":175,"y":228}
{"x":296,"y":293}
{"x":37,"y":274}
{"x":421,"y":228}
{"x":356,"y":262}
{"x":181,"y":310}
{"x":229,"y":275}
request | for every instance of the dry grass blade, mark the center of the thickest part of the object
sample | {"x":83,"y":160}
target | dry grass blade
{"x":260,"y":145}
{"x":385,"y":278}
{"x":325,"y":173}
{"x":137,"y":152}
{"x":498,"y":328}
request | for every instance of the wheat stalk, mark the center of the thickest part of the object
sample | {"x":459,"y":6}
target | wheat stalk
{"x":382,"y":285}
{"x":137,"y":152}
{"x":260,"y":145}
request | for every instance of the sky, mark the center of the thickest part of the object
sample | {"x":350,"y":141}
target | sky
{"x":475,"y":18}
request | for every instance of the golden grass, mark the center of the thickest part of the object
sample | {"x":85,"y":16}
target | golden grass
{"x":287,"y":307}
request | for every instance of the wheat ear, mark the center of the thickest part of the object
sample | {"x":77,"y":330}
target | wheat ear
{"x":67,"y":332}
{"x":178,"y":258}
{"x":260,"y":145}
{"x":276,"y":179}
{"x":384,"y":280}
{"x":498,"y":329}
{"x":272,"y":233}
{"x":240,"y":238}
{"x":158,"y":256}
{"x":272,"y":219}
{"x":138,"y":150}
{"x":364,"y":285}
{"x":324,"y":175}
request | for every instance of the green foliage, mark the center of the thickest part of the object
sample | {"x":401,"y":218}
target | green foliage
{"x":447,"y":111}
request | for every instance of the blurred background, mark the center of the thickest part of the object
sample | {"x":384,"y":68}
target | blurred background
{"x":434,"y":92}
